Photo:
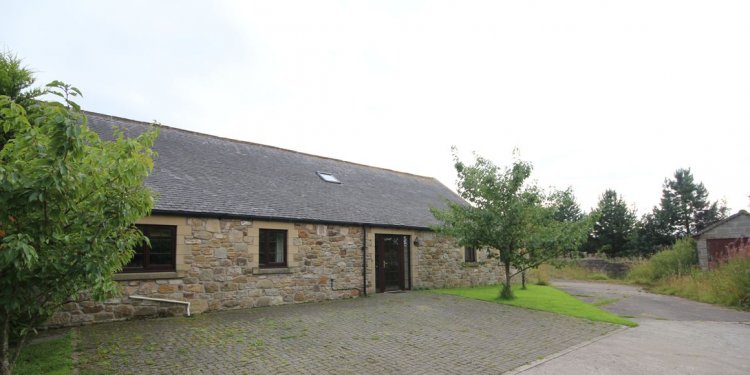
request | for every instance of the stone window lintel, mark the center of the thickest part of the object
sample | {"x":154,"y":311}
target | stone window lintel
{"x":145,"y":276}
{"x":271,"y":271}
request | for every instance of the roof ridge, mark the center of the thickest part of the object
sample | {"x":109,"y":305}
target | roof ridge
{"x":112,"y":118}
{"x":721,"y":221}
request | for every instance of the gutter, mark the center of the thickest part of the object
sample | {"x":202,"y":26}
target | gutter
{"x":219,"y":215}
{"x":164,"y":300}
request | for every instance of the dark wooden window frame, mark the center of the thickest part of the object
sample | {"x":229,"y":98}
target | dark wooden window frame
{"x":146,"y":248}
{"x":264,"y":263}
{"x":470,"y":255}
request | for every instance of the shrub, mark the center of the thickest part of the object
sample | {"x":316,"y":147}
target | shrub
{"x":679,"y":260}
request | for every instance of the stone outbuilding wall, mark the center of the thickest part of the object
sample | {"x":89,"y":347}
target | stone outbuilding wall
{"x":217,"y":269}
{"x":721,"y":233}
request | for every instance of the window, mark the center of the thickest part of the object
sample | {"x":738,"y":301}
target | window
{"x":470,"y":255}
{"x":328,"y":177}
{"x":272,"y":246}
{"x":158,"y":254}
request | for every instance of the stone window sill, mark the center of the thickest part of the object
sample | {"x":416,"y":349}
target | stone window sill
{"x":145,"y":276}
{"x":272,"y":271}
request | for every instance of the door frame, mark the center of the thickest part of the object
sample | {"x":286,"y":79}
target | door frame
{"x":404,"y":271}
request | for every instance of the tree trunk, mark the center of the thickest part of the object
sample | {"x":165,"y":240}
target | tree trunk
{"x":506,"y":292}
{"x":523,"y":280}
{"x":5,"y":366}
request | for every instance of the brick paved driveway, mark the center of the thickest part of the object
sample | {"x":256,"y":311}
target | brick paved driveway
{"x":413,"y":333}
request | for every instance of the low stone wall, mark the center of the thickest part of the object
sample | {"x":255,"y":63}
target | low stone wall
{"x":614,"y":269}
{"x":217,"y":269}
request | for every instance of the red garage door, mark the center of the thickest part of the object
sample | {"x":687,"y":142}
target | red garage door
{"x":717,"y":249}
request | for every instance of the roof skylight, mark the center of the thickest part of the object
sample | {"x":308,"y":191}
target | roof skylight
{"x":328,"y":177}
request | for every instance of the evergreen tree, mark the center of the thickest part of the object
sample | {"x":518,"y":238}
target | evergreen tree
{"x":614,"y":226}
{"x":685,"y":207}
{"x":652,"y":234}
{"x":567,"y":208}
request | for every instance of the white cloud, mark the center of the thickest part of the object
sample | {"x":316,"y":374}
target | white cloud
{"x":597,"y":94}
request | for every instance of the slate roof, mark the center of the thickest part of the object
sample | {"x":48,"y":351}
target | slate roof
{"x":200,"y":174}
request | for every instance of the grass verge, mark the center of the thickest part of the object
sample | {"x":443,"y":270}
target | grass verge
{"x":544,"y":298}
{"x":51,"y":357}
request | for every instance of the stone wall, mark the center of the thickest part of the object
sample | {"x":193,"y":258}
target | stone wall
{"x":440,"y":264}
{"x":217,"y":269}
{"x":611,"y":268}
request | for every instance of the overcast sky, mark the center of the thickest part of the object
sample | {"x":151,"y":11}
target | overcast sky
{"x":596,"y":94}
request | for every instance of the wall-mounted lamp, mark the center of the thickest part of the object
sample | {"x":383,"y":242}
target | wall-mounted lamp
{"x":416,"y":241}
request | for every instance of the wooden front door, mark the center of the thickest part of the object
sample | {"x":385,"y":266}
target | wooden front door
{"x":391,"y":262}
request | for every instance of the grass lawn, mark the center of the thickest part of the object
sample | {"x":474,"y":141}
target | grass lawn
{"x":52,"y":357}
{"x":544,"y":298}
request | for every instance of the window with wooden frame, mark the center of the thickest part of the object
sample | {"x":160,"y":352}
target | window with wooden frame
{"x":272,"y":248}
{"x":158,"y":255}
{"x":470,"y":255}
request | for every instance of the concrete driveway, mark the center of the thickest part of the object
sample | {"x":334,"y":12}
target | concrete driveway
{"x":406,"y":333}
{"x":675,"y":336}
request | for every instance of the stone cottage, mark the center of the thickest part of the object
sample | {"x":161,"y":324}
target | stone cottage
{"x":240,"y":225}
{"x":713,"y":240}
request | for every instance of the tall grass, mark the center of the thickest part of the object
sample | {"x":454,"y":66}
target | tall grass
{"x":728,"y":284}
{"x":565,"y":271}
{"x":681,"y":259}
{"x":674,"y":272}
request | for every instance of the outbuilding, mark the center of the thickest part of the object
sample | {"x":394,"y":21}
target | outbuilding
{"x":714,"y":240}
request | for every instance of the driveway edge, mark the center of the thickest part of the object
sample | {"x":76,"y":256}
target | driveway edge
{"x":559,"y":354}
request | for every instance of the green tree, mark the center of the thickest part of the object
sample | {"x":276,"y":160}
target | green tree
{"x":15,"y":82}
{"x":509,"y":215}
{"x":566,"y":206}
{"x":614,"y":225}
{"x":685,"y":206}
{"x":68,"y":201}
{"x":652,"y":234}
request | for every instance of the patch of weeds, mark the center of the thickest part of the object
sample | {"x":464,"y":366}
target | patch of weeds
{"x":606,"y":301}
{"x":374,"y":338}
{"x":182,"y":351}
{"x":47,"y":357}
